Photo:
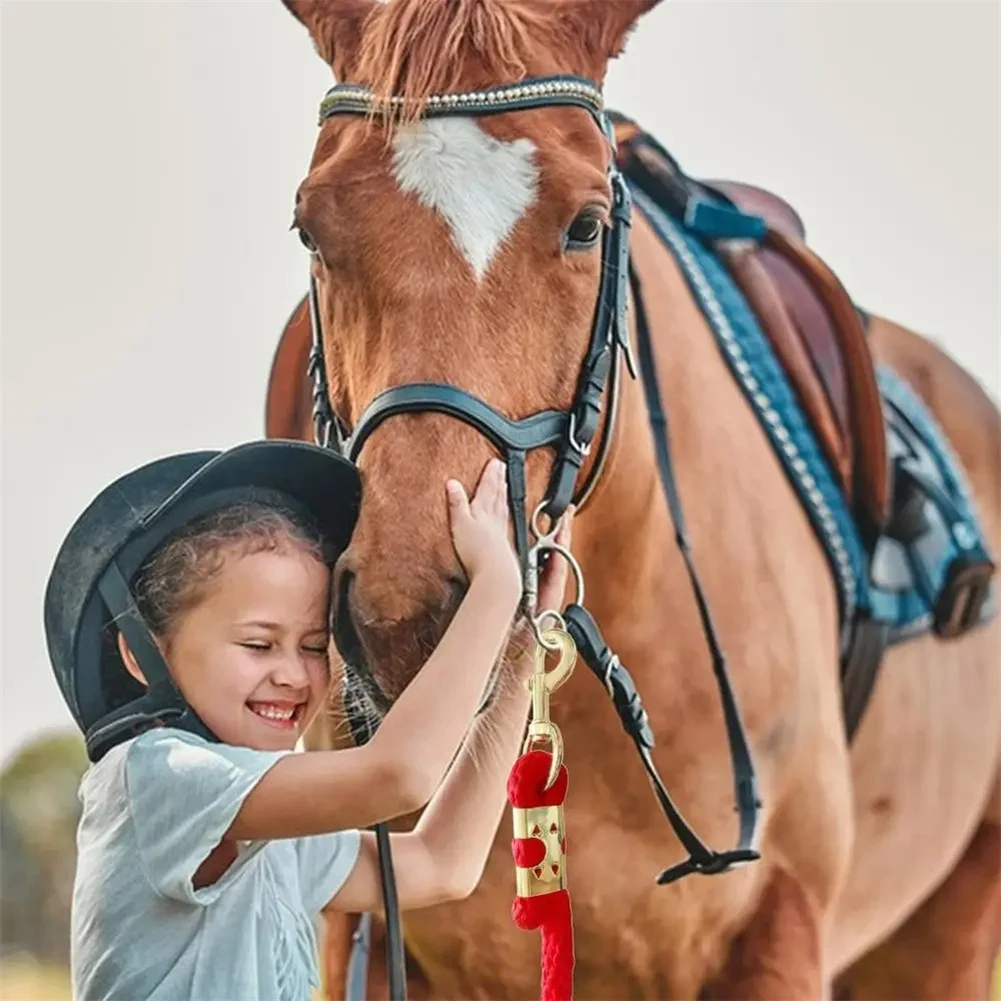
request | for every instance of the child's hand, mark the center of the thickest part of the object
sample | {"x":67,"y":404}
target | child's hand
{"x":481,"y":528}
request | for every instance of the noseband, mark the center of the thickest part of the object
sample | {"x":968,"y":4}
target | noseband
{"x":570,"y":432}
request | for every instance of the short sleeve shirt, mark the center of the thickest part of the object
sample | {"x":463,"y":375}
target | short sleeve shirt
{"x":153,"y":810}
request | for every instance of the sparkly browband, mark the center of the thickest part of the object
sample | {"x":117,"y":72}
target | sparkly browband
{"x":348,"y":98}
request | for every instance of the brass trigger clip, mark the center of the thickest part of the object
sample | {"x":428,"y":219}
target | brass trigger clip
{"x":542,"y":684}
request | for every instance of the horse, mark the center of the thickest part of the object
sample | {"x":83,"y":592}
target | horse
{"x":464,"y":250}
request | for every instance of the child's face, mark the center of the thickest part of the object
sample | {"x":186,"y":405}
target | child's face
{"x":252,"y":657}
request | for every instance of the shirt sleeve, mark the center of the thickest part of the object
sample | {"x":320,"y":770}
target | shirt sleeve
{"x":183,"y":794}
{"x":325,"y":862}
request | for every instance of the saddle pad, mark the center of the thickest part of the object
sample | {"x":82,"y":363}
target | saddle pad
{"x":907,"y":605}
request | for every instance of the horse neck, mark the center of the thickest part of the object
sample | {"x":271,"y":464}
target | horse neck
{"x":626,"y":538}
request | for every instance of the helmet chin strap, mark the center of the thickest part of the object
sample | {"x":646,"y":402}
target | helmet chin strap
{"x":163,"y":702}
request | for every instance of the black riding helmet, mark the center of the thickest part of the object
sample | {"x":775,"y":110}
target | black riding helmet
{"x":90,"y":583}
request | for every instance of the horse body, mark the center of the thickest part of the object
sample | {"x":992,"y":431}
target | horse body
{"x":855,"y":840}
{"x":635,"y":939}
{"x":925,"y":760}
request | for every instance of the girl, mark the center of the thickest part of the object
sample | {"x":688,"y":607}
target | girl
{"x":187,"y":617}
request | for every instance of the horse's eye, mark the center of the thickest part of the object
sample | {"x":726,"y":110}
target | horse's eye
{"x":583,"y":232}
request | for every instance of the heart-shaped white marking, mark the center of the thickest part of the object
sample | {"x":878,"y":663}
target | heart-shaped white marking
{"x":481,"y":185}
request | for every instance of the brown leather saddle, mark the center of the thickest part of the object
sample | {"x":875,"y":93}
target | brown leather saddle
{"x":814,"y":327}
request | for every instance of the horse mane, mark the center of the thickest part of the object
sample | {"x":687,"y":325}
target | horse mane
{"x":415,"y":48}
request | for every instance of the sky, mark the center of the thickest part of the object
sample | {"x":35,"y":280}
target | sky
{"x":150,"y":153}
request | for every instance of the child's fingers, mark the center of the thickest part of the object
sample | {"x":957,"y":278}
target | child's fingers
{"x":492,"y":485}
{"x":499,"y":498}
{"x":458,"y":501}
{"x":565,"y":531}
{"x":553,"y":583}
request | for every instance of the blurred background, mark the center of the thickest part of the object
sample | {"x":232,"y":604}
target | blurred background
{"x":150,"y":153}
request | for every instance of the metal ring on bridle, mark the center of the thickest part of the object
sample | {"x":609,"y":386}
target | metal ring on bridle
{"x":536,"y":622}
{"x":578,"y":574}
{"x":536,"y":530}
{"x":547,"y":540}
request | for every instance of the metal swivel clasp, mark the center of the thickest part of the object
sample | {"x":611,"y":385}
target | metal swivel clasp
{"x":542,"y":683}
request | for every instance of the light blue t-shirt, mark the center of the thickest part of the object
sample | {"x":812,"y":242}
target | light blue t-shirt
{"x":153,"y":809}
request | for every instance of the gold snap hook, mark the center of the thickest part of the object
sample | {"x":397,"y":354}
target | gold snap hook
{"x":542,"y":684}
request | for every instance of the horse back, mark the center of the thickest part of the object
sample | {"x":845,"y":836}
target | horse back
{"x":287,"y":410}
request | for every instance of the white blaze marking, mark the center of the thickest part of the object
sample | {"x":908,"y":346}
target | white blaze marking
{"x":481,"y":185}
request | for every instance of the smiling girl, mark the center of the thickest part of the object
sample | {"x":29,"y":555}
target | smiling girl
{"x":187,"y":617}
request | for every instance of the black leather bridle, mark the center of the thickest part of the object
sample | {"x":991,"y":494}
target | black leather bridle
{"x":571,"y":433}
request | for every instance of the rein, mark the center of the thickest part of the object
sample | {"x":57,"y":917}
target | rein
{"x":571,"y":433}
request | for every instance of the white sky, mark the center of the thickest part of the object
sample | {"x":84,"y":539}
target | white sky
{"x":150,"y":152}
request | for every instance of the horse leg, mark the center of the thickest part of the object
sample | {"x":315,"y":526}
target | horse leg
{"x":338,"y":930}
{"x":335,"y":950}
{"x":946,"y":950}
{"x":778,"y":956}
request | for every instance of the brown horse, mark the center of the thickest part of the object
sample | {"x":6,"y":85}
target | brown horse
{"x":440,"y":257}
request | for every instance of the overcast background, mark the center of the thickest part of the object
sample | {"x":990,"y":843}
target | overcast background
{"x":151,"y":151}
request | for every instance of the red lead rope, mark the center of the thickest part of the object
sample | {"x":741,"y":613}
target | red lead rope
{"x":539,"y":849}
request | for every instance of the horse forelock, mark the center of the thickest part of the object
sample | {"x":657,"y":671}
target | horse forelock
{"x":415,"y":48}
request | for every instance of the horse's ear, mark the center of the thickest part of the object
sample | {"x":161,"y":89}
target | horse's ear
{"x":335,"y":27}
{"x":604,"y":26}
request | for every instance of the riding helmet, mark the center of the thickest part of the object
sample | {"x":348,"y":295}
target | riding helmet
{"x":91,"y":580}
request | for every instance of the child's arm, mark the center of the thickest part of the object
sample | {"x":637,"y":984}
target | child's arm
{"x":398,"y":770}
{"x":443,"y":857}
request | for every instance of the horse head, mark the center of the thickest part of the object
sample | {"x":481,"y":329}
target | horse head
{"x":460,"y":249}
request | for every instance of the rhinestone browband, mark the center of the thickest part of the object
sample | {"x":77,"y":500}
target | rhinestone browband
{"x":352,"y":99}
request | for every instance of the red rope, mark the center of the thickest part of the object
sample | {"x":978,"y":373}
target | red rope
{"x":548,"y":912}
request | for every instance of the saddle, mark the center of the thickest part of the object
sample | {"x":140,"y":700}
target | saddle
{"x":925,"y":561}
{"x":814,"y":327}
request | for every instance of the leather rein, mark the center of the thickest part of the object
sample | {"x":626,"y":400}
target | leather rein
{"x":571,"y":433}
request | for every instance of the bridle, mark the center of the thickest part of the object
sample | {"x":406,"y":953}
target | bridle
{"x":571,"y":433}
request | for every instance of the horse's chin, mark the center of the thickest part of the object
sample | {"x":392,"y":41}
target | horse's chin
{"x":367,"y":702}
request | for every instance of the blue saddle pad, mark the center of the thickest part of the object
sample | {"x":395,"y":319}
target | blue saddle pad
{"x":895,"y":582}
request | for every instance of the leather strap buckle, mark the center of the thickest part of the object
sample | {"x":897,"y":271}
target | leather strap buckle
{"x":963,"y":596}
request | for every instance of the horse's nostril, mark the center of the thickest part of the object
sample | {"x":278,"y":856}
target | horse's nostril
{"x":345,"y":634}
